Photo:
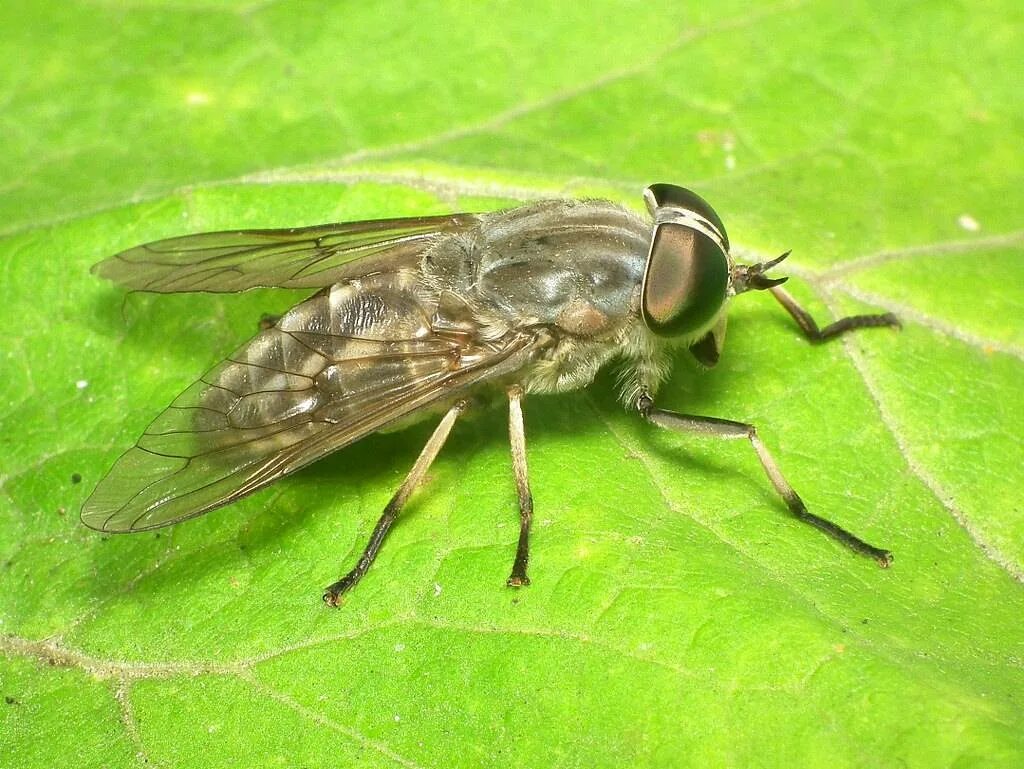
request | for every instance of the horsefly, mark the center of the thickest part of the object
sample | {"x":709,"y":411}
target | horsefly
{"x":414,"y":316}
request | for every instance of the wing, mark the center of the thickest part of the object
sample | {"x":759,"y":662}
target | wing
{"x":305,"y":257}
{"x":345,"y":363}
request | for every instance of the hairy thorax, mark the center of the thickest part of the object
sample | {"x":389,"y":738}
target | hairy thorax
{"x":567,"y":272}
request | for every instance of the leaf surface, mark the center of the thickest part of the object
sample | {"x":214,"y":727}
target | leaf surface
{"x":677,"y":616}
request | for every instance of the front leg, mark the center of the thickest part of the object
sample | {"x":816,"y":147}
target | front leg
{"x":729,"y":430}
{"x":517,"y":440}
{"x":751,"y":277}
{"x":815,"y":334}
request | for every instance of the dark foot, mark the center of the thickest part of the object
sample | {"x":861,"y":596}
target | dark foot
{"x":333,"y":593}
{"x":884,"y":558}
{"x":879,"y":555}
{"x":518,"y":580}
{"x":843,"y":325}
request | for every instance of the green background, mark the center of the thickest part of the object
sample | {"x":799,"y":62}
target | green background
{"x":678,"y":616}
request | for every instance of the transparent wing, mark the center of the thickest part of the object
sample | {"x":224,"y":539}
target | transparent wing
{"x":305,"y":257}
{"x":341,"y":365}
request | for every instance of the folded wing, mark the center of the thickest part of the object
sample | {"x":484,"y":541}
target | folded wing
{"x":305,"y":257}
{"x":345,"y":363}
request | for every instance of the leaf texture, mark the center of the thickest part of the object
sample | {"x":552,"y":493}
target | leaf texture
{"x":677,"y":616}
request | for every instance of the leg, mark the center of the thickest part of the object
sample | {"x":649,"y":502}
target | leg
{"x":724,"y":428}
{"x":810,"y":328}
{"x":517,"y":439}
{"x":333,"y":593}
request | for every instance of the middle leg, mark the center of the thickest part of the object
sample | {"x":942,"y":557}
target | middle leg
{"x":517,"y":440}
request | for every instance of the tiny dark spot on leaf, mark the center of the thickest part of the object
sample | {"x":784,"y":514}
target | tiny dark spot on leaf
{"x":11,"y":700}
{"x":76,"y":478}
{"x":863,"y":622}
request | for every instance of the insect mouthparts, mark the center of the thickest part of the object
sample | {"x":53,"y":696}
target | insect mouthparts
{"x":751,"y":277}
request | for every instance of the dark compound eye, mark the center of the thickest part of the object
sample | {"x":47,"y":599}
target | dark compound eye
{"x":671,"y":198}
{"x":685,"y":282}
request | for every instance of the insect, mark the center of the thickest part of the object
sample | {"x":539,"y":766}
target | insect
{"x":415,"y":316}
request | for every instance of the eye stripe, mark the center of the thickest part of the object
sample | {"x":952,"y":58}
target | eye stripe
{"x":687,"y":217}
{"x":680,"y":205}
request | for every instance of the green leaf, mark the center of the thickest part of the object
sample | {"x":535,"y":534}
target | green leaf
{"x":678,"y":616}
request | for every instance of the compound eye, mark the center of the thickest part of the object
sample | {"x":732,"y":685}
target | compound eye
{"x":685,"y":282}
{"x":674,"y":199}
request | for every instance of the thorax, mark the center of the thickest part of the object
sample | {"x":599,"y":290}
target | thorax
{"x":568,"y":269}
{"x":570,"y":264}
